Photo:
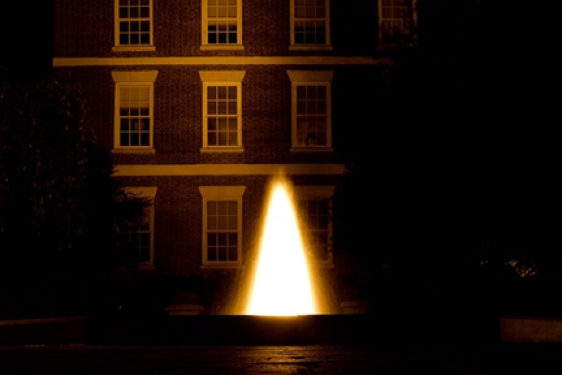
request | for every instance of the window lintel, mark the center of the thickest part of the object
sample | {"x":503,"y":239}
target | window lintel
{"x":214,"y":192}
{"x":134,"y":76}
{"x":310,"y":75}
{"x":222,"y":75}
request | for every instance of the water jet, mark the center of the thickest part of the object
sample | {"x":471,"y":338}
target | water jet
{"x":282,"y":284}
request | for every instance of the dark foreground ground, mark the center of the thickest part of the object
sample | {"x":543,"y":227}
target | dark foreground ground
{"x":248,"y":345}
{"x":530,"y":359}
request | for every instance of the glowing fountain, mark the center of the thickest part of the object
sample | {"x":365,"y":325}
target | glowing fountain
{"x":282,"y":284}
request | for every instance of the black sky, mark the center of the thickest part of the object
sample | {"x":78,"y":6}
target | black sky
{"x":26,"y":36}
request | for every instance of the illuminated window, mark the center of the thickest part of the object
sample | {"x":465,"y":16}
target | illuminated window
{"x":138,"y":240}
{"x":311,"y":110}
{"x":133,"y":25}
{"x":222,"y":110}
{"x":222,"y":23}
{"x":134,"y":110}
{"x":222,"y":225}
{"x":397,"y":19}
{"x":315,"y":209}
{"x":310,"y":24}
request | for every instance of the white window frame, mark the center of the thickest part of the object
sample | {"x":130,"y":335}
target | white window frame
{"x":221,"y":193}
{"x":326,"y":46}
{"x":142,"y":79}
{"x":222,"y":78}
{"x":118,"y":47}
{"x":311,"y":78}
{"x":321,"y":192}
{"x":205,"y":45}
{"x":409,"y":31}
{"x":147,"y":192}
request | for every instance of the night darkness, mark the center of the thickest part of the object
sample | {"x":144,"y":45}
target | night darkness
{"x":467,"y":159}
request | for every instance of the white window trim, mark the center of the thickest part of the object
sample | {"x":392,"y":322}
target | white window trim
{"x":220,"y":193}
{"x":205,"y":46}
{"x":133,"y":78}
{"x":311,"y":47}
{"x":128,"y":48}
{"x":148,"y":192}
{"x":319,"y":192}
{"x":311,"y":78}
{"x":414,"y":4}
{"x":222,"y":78}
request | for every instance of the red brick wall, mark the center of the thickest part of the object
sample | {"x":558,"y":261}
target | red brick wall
{"x":266,"y":114}
{"x":86,"y":28}
{"x":178,"y":210}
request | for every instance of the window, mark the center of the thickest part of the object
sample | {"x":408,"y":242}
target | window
{"x":222,"y":225}
{"x":310,"y":24}
{"x":397,"y":19}
{"x":311,"y":110}
{"x":138,"y":240}
{"x":314,"y":204}
{"x":222,"y":24}
{"x":134,"y":120}
{"x":133,"y":25}
{"x":222,"y":110}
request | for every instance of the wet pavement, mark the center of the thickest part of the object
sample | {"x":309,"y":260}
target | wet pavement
{"x":248,"y":345}
{"x":79,"y":359}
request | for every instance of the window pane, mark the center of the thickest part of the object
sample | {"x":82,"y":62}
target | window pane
{"x":135,"y":115}
{"x":124,"y":140}
{"x":222,"y":139}
{"x":232,"y":222}
{"x":222,"y":222}
{"x":221,"y":239}
{"x":222,"y":92}
{"x":145,"y":139}
{"x":134,"y":22}
{"x":211,"y":239}
{"x":232,"y":125}
{"x":222,"y":107}
{"x":222,"y":253}
{"x":233,"y":254}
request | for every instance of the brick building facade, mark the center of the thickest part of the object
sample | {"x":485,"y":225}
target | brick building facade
{"x":202,"y":102}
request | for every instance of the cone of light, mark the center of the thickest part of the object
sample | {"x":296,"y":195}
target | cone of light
{"x":282,"y":283}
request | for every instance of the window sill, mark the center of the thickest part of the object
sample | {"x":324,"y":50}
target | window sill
{"x":145,"y":266}
{"x":133,"y":151}
{"x":221,"y":265}
{"x":394,"y":46}
{"x":222,"y":47}
{"x":311,"y":149}
{"x":309,"y":47}
{"x":133,"y":49}
{"x":221,"y":149}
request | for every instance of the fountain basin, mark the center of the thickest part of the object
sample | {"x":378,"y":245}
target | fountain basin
{"x":234,"y":330}
{"x":350,"y":329}
{"x":465,"y":327}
